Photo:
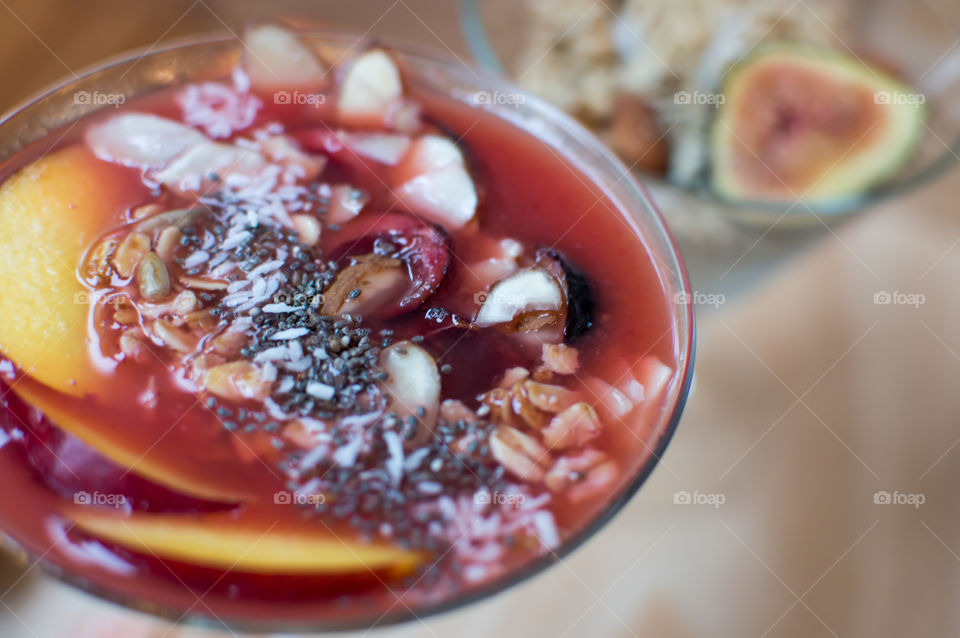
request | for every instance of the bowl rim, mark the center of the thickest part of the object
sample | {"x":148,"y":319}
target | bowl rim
{"x":684,"y":321}
{"x":475,"y":33}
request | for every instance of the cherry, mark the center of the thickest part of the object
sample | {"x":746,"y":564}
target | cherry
{"x":422,"y":247}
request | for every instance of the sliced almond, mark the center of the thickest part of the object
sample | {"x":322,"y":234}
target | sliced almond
{"x":185,"y":303}
{"x":574,"y":427}
{"x":384,"y":148}
{"x":413,"y":381}
{"x":519,"y":453}
{"x":282,"y":150}
{"x":433,"y":182}
{"x":237,"y":381}
{"x":548,"y":397}
{"x":167,"y":242}
{"x":229,"y":343}
{"x":531,"y":291}
{"x":582,"y":476}
{"x":129,"y":253}
{"x":141,"y":139}
{"x":560,"y":358}
{"x":275,"y":58}
{"x":346,"y":202}
{"x":204,"y":283}
{"x":370,"y":87}
{"x":174,"y":337}
{"x":201,"y":166}
{"x":513,"y":376}
{"x":308,"y":228}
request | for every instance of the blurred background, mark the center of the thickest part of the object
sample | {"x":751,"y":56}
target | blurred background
{"x":820,"y":444}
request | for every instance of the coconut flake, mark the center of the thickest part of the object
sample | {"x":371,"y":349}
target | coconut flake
{"x":285,"y":385}
{"x":277,"y":353}
{"x":430,"y":487}
{"x":197,"y":258}
{"x":394,"y":464}
{"x":314,"y":456}
{"x":415,"y":458}
{"x":235,"y":239}
{"x":265,"y":268}
{"x":280,"y":308}
{"x":269,"y":373}
{"x":290,"y":333}
{"x":546,"y":529}
{"x":320,"y":391}
{"x":346,"y":455}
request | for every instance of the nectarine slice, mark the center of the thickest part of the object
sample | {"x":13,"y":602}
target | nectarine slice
{"x":80,"y":424}
{"x":49,"y":212}
{"x":226,"y":542}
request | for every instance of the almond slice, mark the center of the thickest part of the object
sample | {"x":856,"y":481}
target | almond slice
{"x":413,"y":382}
{"x":275,"y":58}
{"x":370,"y":87}
{"x":526,"y":291}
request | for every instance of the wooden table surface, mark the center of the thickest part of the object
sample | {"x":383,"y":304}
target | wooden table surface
{"x":44,"y":41}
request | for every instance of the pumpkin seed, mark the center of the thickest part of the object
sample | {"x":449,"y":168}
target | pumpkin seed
{"x":153,"y":278}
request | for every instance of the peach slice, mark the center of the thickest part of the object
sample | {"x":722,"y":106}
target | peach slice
{"x":81,"y":425}
{"x":227,"y":542}
{"x":49,"y":212}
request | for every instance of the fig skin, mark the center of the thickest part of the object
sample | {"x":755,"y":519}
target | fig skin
{"x":580,"y":299}
{"x":813,"y":124}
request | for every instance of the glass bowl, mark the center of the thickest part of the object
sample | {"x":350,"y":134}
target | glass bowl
{"x":213,"y":57}
{"x":917,"y":39}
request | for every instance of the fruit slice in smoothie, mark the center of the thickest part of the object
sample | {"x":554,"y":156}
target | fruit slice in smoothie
{"x":811,"y":124}
{"x":81,"y":424}
{"x":49,"y":212}
{"x":226,"y":542}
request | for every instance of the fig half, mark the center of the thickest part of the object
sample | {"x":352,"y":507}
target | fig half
{"x":812,"y":124}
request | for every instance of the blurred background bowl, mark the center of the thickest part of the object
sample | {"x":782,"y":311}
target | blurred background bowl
{"x":917,"y":40}
{"x":721,"y":238}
